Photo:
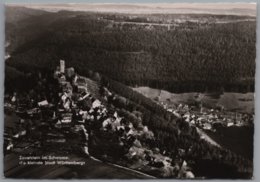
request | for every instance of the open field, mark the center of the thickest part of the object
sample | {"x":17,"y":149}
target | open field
{"x":241,"y":102}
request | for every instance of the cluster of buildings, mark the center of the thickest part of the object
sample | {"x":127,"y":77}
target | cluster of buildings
{"x":66,"y":124}
{"x":210,"y":119}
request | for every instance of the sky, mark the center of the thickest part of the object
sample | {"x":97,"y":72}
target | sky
{"x":208,"y":8}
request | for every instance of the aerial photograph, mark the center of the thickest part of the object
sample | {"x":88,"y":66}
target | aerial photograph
{"x":129,"y":90}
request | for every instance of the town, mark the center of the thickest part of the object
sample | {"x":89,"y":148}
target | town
{"x":209,"y":118}
{"x":68,"y":113}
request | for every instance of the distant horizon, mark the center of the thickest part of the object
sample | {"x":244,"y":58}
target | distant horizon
{"x":248,"y":9}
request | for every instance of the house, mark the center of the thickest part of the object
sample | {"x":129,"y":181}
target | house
{"x":10,"y":146}
{"x":83,"y":94}
{"x":43,"y":103}
{"x":207,"y":126}
{"x":70,"y":72}
{"x":96,"y":104}
{"x":62,"y":79}
{"x":82,"y":88}
{"x":80,"y":83}
{"x":14,"y":98}
{"x":33,"y":111}
{"x":84,"y":114}
{"x":79,"y":80}
{"x":67,"y":104}
{"x":106,"y":122}
{"x":230,"y":124}
{"x":66,"y":118}
{"x":67,"y":87}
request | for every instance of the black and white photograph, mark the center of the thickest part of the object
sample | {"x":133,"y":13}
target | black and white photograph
{"x":129,"y":90}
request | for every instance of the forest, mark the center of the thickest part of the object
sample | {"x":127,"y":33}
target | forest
{"x":185,"y":58}
{"x":173,"y":133}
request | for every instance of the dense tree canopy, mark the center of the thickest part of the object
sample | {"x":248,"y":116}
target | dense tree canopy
{"x":187,"y":57}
